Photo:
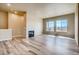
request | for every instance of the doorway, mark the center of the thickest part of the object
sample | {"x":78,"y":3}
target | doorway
{"x":17,"y":22}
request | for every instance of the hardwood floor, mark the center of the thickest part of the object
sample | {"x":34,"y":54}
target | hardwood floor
{"x":40,"y":45}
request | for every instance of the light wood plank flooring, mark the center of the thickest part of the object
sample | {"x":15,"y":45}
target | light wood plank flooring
{"x":40,"y":45}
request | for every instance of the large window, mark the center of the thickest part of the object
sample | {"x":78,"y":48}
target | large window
{"x":58,"y":25}
{"x":50,"y":26}
{"x":61,"y":25}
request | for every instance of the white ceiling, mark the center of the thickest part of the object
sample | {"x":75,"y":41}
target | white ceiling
{"x":34,"y":6}
{"x":22,"y":6}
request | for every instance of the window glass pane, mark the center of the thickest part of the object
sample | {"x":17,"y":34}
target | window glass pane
{"x":58,"y":23}
{"x":50,"y":26}
{"x":64,"y":23}
{"x":61,"y":25}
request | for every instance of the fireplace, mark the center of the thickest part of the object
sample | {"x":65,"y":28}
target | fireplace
{"x":31,"y":33}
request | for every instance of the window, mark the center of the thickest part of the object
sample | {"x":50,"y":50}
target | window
{"x":61,"y":25}
{"x":50,"y":26}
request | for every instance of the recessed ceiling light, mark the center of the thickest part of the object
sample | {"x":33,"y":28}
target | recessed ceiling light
{"x":8,"y":4}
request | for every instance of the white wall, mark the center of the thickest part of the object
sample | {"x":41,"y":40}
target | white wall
{"x":34,"y":21}
{"x":5,"y":34}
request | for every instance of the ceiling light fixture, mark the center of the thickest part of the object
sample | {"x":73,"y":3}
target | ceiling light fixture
{"x":8,"y":4}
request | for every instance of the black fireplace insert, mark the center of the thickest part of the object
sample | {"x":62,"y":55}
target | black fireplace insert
{"x":31,"y":33}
